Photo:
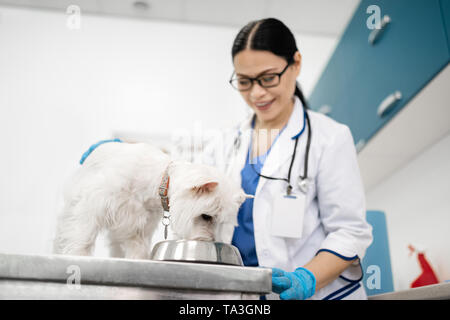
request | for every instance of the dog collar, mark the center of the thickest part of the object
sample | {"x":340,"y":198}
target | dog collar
{"x":164,"y":189}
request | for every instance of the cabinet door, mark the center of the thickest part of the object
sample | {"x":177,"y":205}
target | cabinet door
{"x":411,"y":50}
{"x":330,"y":90}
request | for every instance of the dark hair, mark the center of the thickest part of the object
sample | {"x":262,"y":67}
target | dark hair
{"x":272,"y":35}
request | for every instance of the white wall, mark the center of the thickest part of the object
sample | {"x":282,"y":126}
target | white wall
{"x":416,"y":200}
{"x":62,"y":90}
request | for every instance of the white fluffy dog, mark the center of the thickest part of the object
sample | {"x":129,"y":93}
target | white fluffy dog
{"x":117,"y":190}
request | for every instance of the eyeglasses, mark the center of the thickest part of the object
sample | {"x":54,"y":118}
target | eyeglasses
{"x":267,"y":80}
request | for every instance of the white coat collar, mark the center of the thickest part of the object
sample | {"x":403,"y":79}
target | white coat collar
{"x":280,"y":152}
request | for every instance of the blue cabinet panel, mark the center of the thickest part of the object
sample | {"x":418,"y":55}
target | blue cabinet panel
{"x":331,"y":88}
{"x":411,"y":50}
{"x":377,"y":261}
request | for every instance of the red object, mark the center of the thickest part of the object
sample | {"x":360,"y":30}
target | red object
{"x":428,"y":276}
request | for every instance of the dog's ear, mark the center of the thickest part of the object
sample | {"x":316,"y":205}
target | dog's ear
{"x":205,"y":188}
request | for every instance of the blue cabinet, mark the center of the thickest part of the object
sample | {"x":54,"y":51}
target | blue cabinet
{"x":376,"y":263}
{"x":362,"y":76}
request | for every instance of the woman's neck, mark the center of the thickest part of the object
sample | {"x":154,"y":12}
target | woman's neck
{"x":278,"y":122}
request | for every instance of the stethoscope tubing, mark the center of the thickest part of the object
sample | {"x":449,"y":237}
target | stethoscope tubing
{"x":305,"y":168}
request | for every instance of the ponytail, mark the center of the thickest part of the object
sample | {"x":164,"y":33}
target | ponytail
{"x":299,"y":94}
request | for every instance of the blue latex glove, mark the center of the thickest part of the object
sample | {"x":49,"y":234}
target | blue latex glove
{"x":297,"y":285}
{"x":92,"y":148}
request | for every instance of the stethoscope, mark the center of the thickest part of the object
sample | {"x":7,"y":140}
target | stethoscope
{"x":303,"y":180}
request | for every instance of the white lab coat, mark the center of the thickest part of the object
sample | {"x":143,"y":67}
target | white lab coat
{"x":334,"y":218}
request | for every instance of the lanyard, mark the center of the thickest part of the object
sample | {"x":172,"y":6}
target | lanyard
{"x":305,"y":169}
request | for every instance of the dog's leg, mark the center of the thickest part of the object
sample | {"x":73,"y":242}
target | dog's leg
{"x":138,"y":245}
{"x":116,"y":251}
{"x":77,"y":231}
{"x":115,"y":248}
{"x":83,"y":243}
{"x":136,"y":248}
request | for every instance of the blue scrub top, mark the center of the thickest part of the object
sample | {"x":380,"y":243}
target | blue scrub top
{"x":243,"y":236}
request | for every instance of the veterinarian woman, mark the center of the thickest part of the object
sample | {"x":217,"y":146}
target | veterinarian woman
{"x":307,"y":220}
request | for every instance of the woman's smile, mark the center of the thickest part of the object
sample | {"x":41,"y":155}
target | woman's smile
{"x":263,"y":105}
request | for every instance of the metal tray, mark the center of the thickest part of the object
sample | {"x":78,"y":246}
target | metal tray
{"x":51,"y":277}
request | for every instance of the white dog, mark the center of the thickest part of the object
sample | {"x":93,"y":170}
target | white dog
{"x":118,"y":189}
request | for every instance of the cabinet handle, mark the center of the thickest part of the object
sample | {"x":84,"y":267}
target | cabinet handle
{"x":388,"y":103}
{"x":376,"y":33}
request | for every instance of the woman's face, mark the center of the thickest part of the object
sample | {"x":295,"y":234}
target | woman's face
{"x":269,"y":104}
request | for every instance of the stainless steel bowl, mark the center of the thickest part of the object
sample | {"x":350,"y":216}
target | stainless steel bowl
{"x":197,"y":251}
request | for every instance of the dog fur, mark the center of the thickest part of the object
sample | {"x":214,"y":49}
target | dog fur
{"x":116,"y":189}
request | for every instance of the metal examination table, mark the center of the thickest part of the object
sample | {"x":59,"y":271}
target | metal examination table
{"x":58,"y":276}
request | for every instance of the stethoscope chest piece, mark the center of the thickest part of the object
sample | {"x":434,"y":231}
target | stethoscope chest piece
{"x":303,"y":184}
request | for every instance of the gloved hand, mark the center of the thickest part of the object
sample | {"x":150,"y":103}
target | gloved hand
{"x":95,"y":145}
{"x":297,"y":285}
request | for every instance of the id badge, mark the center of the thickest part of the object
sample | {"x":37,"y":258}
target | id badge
{"x":287,"y":215}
